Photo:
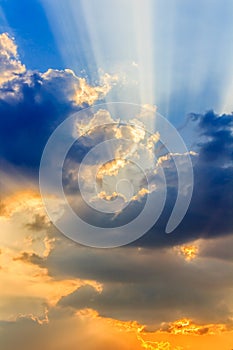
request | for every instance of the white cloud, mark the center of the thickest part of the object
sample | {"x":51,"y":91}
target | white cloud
{"x":63,"y":84}
{"x":10,"y":65}
{"x":76,"y":89}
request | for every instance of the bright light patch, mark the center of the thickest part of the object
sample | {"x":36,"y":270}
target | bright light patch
{"x":189,"y":252}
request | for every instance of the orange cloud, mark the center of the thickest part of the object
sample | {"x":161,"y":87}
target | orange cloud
{"x":185,"y":334}
{"x":187,"y":326}
{"x":21,"y":214}
{"x":28,"y":291}
{"x":182,"y":334}
{"x":19,"y":201}
{"x":20,"y":278}
{"x":189,"y":252}
{"x":136,"y":336}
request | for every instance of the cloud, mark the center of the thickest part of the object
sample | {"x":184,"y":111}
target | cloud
{"x":150,"y":286}
{"x":211,"y":155}
{"x":10,"y":65}
{"x":23,"y":281}
{"x":128,"y":148}
{"x":32,"y":104}
{"x":159,"y":284}
{"x":85,"y":330}
{"x":210,"y":211}
{"x":147,"y":285}
{"x":68,"y":86}
{"x":189,"y":252}
{"x":19,"y":201}
{"x":217,"y":143}
{"x":186,"y":326}
{"x":90,"y":331}
{"x":218,"y":248}
{"x":27,"y":288}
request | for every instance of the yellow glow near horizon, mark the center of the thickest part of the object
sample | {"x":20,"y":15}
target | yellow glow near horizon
{"x":181,"y":334}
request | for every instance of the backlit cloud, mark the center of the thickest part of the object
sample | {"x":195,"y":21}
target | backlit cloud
{"x":32,"y":103}
{"x":189,"y":252}
{"x":10,"y":64}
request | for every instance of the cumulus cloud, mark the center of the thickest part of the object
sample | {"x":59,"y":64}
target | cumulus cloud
{"x":76,"y":89}
{"x":129,"y":147}
{"x":32,"y":104}
{"x":10,"y":65}
{"x":216,"y":144}
{"x":212,"y":176}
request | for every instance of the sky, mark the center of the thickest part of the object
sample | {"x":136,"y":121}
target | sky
{"x":116,"y":189}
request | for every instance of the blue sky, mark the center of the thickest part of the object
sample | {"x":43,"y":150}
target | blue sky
{"x":27,"y":22}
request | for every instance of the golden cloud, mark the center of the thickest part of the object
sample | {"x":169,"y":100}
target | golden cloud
{"x":77,"y":89}
{"x":189,"y":252}
{"x":111,"y":168}
{"x":186,"y":326}
{"x":19,"y":201}
{"x":22,"y":279}
{"x":84,"y":93}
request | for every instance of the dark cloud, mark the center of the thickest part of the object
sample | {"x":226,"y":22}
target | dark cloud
{"x":147,"y":285}
{"x":218,"y":248}
{"x":28,"y":117}
{"x":157,"y":288}
{"x":155,"y":302}
{"x":217,"y":146}
{"x":33,"y":104}
{"x":210,"y":211}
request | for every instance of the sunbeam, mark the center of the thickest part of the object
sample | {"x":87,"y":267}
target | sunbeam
{"x":164,"y":53}
{"x":115,"y":36}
